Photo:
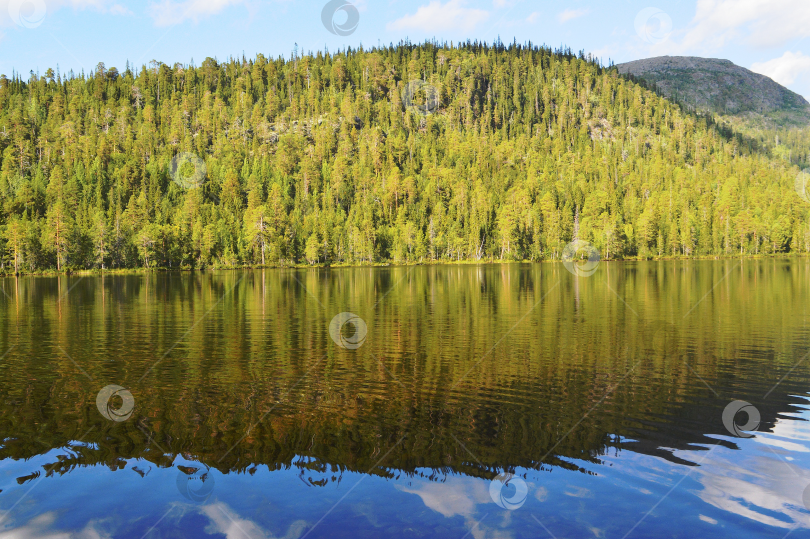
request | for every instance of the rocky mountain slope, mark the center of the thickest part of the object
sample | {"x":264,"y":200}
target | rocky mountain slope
{"x":719,"y":86}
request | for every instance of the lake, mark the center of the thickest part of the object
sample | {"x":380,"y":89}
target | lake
{"x":647,"y":399}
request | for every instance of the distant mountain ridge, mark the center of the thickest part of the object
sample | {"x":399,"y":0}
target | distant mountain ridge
{"x":720,"y":86}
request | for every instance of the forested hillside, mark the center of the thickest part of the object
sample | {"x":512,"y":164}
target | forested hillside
{"x":747,"y":102}
{"x":344,"y":158}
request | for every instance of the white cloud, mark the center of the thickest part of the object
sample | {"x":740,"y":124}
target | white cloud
{"x":578,"y":492}
{"x":533,"y":17}
{"x":569,"y":14}
{"x":457,"y":496}
{"x":757,"y":483}
{"x":761,"y":22}
{"x":724,"y":28}
{"x":541,"y":494}
{"x":784,"y":69}
{"x":438,"y":17}
{"x":223,"y":520}
{"x":118,"y":9}
{"x":227,"y":522}
{"x":41,"y":527}
{"x":169,"y":12}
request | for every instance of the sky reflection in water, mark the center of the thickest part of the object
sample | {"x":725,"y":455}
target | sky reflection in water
{"x":636,"y":462}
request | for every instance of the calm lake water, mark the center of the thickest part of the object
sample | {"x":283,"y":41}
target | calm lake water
{"x":497,"y":401}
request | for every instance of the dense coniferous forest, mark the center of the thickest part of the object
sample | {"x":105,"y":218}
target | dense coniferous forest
{"x":501,"y":152}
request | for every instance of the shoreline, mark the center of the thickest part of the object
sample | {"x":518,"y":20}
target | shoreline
{"x":482,"y":262}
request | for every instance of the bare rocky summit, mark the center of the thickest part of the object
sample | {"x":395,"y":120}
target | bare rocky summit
{"x":720,"y":86}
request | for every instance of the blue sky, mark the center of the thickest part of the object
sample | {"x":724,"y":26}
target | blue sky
{"x":767,"y":36}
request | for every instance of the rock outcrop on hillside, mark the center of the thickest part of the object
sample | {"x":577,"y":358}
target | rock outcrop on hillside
{"x":720,"y":86}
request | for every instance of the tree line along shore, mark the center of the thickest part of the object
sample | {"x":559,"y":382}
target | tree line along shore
{"x":411,"y":153}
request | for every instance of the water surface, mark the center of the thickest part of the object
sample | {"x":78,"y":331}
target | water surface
{"x":502,"y":401}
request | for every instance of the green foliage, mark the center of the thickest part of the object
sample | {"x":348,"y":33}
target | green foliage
{"x":331,"y":158}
